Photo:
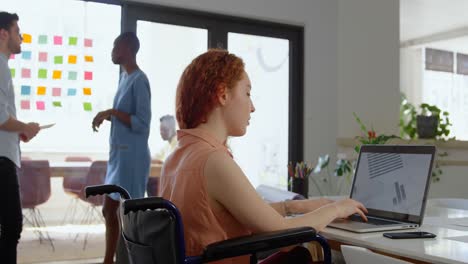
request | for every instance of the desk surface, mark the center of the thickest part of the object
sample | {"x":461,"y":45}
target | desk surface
{"x":450,"y":245}
{"x":72,"y":168}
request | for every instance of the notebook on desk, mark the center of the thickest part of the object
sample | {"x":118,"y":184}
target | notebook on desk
{"x":392,"y":182}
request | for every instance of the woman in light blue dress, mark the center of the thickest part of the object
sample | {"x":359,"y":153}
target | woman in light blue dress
{"x":129,"y":157}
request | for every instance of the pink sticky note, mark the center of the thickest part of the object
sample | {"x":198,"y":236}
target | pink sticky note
{"x":88,"y":42}
{"x":57,"y":40}
{"x":25,"y":104}
{"x":40,"y":105}
{"x":25,"y":73}
{"x":12,"y":56}
{"x":43,"y":56}
{"x":56,"y":91}
{"x":88,"y":75}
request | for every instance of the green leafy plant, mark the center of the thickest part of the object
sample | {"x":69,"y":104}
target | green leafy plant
{"x":408,"y":119}
{"x":370,"y":136}
{"x":322,"y":175}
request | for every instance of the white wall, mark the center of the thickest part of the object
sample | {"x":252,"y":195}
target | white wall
{"x":351,"y":60}
{"x":368,"y":65}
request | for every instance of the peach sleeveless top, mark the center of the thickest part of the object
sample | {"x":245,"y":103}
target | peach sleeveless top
{"x":183,"y":183}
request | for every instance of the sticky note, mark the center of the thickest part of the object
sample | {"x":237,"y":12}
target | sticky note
{"x":58,"y":59}
{"x":25,"y":73}
{"x":88,"y":75}
{"x":88,"y":58}
{"x":71,"y":92}
{"x":42,"y":74}
{"x":42,"y":39}
{"x":40,"y":105}
{"x":88,"y":42}
{"x":57,"y":40}
{"x":87,"y":91}
{"x":27,"y":38}
{"x":25,"y":90}
{"x":72,"y":75}
{"x":13,"y":72}
{"x":72,"y":41}
{"x":57,"y":75}
{"x":25,"y":104}
{"x":41,"y":90}
{"x":43,"y":56}
{"x":56,"y":91}
{"x":57,"y":104}
{"x":72,"y":59}
{"x":87,"y":106}
{"x":26,"y":55}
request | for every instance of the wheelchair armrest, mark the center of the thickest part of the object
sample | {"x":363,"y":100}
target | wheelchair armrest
{"x":106,"y":189}
{"x":247,"y":245}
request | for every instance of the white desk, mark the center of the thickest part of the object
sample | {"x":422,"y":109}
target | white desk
{"x":73,"y":168}
{"x":442,"y":249}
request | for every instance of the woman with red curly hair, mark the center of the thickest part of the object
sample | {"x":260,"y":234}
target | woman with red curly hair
{"x":215,"y":198}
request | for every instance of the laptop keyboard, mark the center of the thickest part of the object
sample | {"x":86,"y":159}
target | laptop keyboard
{"x":372,"y":221}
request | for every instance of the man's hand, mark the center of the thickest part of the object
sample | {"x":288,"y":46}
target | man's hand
{"x":29,"y":132}
{"x":100,"y":117}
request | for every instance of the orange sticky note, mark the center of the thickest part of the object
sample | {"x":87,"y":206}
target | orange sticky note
{"x":27,"y":38}
{"x":72,"y":59}
{"x":41,"y":90}
{"x":57,"y":75}
{"x":88,"y":58}
{"x":87,"y":91}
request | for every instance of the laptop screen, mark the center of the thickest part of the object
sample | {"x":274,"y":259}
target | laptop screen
{"x":392,"y":181}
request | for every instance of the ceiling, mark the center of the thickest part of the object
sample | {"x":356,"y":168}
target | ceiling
{"x":435,"y":23}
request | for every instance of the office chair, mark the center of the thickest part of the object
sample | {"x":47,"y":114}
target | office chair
{"x":96,"y":175}
{"x":73,"y":186}
{"x":153,"y":232}
{"x":34,"y":178}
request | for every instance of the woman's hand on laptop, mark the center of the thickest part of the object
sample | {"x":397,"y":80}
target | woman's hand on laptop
{"x":347,"y":207}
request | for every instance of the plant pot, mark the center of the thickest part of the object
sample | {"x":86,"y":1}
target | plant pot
{"x":299,"y":186}
{"x":427,"y":126}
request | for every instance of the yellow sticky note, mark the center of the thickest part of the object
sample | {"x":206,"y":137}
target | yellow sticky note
{"x":87,"y":91}
{"x":72,"y":59}
{"x":57,"y":75}
{"x":41,"y":90}
{"x":88,"y":58}
{"x":27,"y":38}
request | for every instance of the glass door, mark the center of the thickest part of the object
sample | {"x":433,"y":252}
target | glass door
{"x":164,"y":53}
{"x":263,"y":152}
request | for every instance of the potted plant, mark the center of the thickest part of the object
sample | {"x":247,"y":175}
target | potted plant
{"x":427,"y":121}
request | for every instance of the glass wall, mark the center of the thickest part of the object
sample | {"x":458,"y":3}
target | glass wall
{"x":64,"y":74}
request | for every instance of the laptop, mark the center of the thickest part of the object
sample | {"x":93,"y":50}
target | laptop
{"x":392,"y":182}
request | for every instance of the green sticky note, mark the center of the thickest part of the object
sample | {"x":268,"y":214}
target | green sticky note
{"x":42,"y":74}
{"x":72,"y":75}
{"x":42,"y":39}
{"x":87,"y":107}
{"x":13,"y":72}
{"x":72,"y":41}
{"x":57,"y":104}
{"x":58,"y":59}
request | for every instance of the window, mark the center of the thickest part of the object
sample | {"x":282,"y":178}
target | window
{"x":439,"y":78}
{"x":273,"y":56}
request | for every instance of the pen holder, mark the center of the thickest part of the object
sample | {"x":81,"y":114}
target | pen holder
{"x":299,"y":186}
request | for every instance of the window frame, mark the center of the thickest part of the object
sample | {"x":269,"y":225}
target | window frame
{"x":218,"y":27}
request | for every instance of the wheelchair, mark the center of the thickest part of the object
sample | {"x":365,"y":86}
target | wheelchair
{"x":152,"y":231}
